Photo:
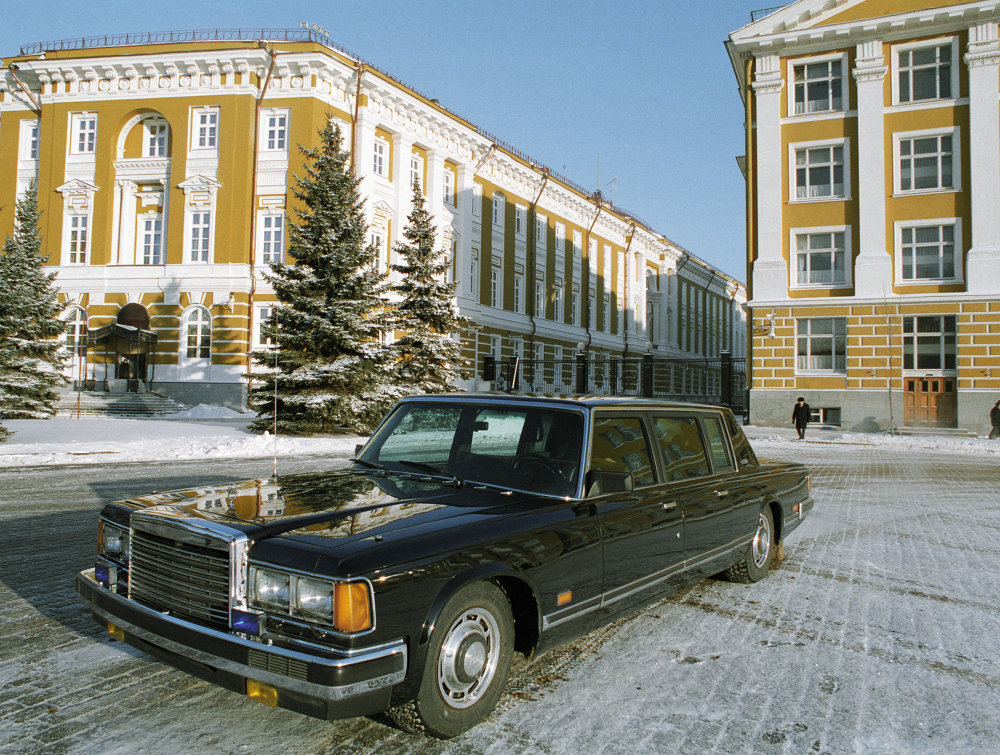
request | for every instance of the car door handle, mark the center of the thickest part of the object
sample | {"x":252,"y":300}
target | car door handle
{"x":722,"y":493}
{"x":670,"y":505}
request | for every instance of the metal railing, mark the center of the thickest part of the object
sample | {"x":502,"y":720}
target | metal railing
{"x":691,"y":380}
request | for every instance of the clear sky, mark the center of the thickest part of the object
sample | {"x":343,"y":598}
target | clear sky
{"x":636,"y":94}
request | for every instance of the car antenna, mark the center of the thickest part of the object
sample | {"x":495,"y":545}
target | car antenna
{"x":274,"y":446}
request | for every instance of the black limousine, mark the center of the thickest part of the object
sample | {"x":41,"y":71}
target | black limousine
{"x":468,"y":528}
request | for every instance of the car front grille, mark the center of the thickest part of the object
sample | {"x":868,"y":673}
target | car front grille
{"x":186,"y":579}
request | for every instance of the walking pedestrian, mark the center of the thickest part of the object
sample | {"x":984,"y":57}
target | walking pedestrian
{"x":800,"y":416}
{"x":995,"y":421}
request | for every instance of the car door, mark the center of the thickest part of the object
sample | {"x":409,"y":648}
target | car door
{"x":642,"y":527}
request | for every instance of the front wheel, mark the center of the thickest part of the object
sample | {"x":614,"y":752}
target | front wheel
{"x":754,"y":565}
{"x":467,"y":663}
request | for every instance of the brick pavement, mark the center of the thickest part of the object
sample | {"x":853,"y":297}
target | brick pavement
{"x":879,"y":633}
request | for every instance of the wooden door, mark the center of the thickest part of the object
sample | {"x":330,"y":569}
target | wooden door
{"x":930,"y":402}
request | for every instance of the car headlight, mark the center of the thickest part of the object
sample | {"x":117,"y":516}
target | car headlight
{"x":112,"y":541}
{"x":344,"y":605}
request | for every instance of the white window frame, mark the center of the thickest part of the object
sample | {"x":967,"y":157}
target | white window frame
{"x":155,"y":137}
{"x":519,"y":293}
{"x":75,"y":334}
{"x":496,"y":282}
{"x":416,"y":172}
{"x":380,"y":157}
{"x":956,"y":64}
{"x":205,"y":129}
{"x":841,"y":356}
{"x":956,"y":160}
{"x":560,"y":240}
{"x":448,"y":186}
{"x":200,"y":232}
{"x":274,"y":130}
{"x":199,"y":333}
{"x":477,"y":199}
{"x":266,"y":221}
{"x":378,"y":235}
{"x":152,"y":236}
{"x":557,"y":300}
{"x":77,"y":225}
{"x":793,"y":170}
{"x":956,"y":251}
{"x":499,"y":210}
{"x":574,"y":306}
{"x":84,"y":139}
{"x":29,"y":142}
{"x":261,"y":313}
{"x":520,"y":221}
{"x":474,"y":273}
{"x":794,"y":235}
{"x":844,"y":85}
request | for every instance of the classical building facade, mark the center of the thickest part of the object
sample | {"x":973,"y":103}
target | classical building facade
{"x":873,"y":186}
{"x":165,"y":167}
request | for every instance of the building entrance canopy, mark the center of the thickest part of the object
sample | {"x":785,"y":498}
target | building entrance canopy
{"x":127,"y":348}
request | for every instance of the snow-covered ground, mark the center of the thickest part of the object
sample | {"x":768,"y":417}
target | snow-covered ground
{"x":206,"y":432}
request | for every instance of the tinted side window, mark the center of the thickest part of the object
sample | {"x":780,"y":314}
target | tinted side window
{"x":681,"y":446}
{"x":717,"y":447}
{"x":619,"y":445}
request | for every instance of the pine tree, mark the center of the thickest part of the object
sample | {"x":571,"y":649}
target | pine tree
{"x":428,"y":359}
{"x":331,"y":363}
{"x":31,"y":357}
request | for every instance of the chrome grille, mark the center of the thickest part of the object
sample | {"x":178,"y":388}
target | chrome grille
{"x":189,"y":580}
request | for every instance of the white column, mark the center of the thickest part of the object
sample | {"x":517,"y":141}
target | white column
{"x":464,"y":197}
{"x":983,"y":60}
{"x":364,"y":133}
{"x":432,"y":189}
{"x":873,"y":266}
{"x":770,"y":271}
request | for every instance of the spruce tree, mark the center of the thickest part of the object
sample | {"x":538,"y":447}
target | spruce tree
{"x":31,"y":357}
{"x":331,"y":362}
{"x":427,"y":358}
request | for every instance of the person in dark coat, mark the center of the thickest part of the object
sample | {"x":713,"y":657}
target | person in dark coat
{"x":800,"y":416}
{"x":995,"y":421}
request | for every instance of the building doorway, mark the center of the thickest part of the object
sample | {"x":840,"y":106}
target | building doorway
{"x":930,"y":402}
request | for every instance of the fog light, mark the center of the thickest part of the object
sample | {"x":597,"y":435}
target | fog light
{"x":115,"y":632}
{"x":262,"y":693}
{"x":246,"y":622}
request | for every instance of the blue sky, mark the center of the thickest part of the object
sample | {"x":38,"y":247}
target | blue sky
{"x":638,"y":92}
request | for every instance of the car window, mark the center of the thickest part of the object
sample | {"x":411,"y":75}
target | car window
{"x":619,"y":445}
{"x":681,"y":446}
{"x":717,"y":447}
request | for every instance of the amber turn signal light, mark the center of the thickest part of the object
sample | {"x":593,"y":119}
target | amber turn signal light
{"x":115,"y":632}
{"x":262,"y":693}
{"x":352,"y":611}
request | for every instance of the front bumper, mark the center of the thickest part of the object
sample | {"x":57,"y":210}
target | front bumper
{"x":333,"y":685}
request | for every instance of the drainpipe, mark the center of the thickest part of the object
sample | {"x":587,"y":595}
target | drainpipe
{"x":586,"y":242}
{"x":27,"y":92}
{"x":253,"y":211}
{"x":533,"y":246}
{"x":486,"y":159}
{"x":628,"y":245}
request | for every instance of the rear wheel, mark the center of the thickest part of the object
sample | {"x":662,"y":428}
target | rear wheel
{"x":756,"y":562}
{"x":467,"y":664}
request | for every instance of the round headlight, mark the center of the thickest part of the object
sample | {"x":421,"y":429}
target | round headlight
{"x":314,"y":600}
{"x":271,"y":590}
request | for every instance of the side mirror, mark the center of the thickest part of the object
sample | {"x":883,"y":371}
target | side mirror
{"x":357,"y":449}
{"x":600,"y":482}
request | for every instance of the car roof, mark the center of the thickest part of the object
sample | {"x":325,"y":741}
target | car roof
{"x":570,"y":402}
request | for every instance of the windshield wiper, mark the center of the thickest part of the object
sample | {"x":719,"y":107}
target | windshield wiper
{"x":370,"y":465}
{"x":431,"y":469}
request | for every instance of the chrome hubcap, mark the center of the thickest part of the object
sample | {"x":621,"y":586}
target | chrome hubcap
{"x":468,"y":658}
{"x":761,"y":542}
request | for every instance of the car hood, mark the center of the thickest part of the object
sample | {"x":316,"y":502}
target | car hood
{"x":335,"y":504}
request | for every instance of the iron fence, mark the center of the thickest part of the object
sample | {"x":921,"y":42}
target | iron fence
{"x":705,"y":381}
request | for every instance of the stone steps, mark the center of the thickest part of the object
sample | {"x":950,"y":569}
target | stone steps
{"x":101,"y":404}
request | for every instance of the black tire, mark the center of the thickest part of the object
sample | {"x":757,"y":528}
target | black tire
{"x":467,"y":665}
{"x":756,"y":562}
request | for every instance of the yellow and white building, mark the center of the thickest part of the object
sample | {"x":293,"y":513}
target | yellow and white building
{"x":165,"y":168}
{"x":873,"y":210}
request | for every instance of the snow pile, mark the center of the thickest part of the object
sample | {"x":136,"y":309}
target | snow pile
{"x":205,"y":411}
{"x":766,"y":437}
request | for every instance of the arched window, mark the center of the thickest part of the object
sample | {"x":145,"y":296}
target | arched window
{"x":76,"y":329}
{"x":196,"y":338}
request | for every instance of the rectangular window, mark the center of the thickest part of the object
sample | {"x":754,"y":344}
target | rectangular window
{"x":926,"y":163}
{"x":474,"y":274}
{"x":592,"y":306}
{"x":928,"y":252}
{"x":201,"y":230}
{"x":607,"y":314}
{"x":574,"y":308}
{"x":681,"y":447}
{"x":498,"y":206}
{"x":276,"y":131}
{"x":821,"y":345}
{"x":520,"y":220}
{"x":379,"y":153}
{"x":821,"y":259}
{"x":557,"y":301}
{"x":152,"y":240}
{"x":263,"y":332}
{"x":448,"y":187}
{"x":929,"y":342}
{"x":417,"y":172}
{"x":560,"y":239}
{"x":156,"y":138}
{"x":925,"y":73}
{"x":29,"y":140}
{"x":477,"y":200}
{"x":819,"y":172}
{"x":273,"y":238}
{"x":494,"y":286}
{"x":85,"y":128}
{"x":539,"y":294}
{"x":78,"y":239}
{"x":818,"y":87}
{"x":206,"y":129}
{"x":519,"y":293}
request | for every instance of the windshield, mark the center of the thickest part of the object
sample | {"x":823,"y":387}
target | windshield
{"x":525,"y":448}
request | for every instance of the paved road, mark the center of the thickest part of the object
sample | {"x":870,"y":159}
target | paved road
{"x":879,"y":633}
